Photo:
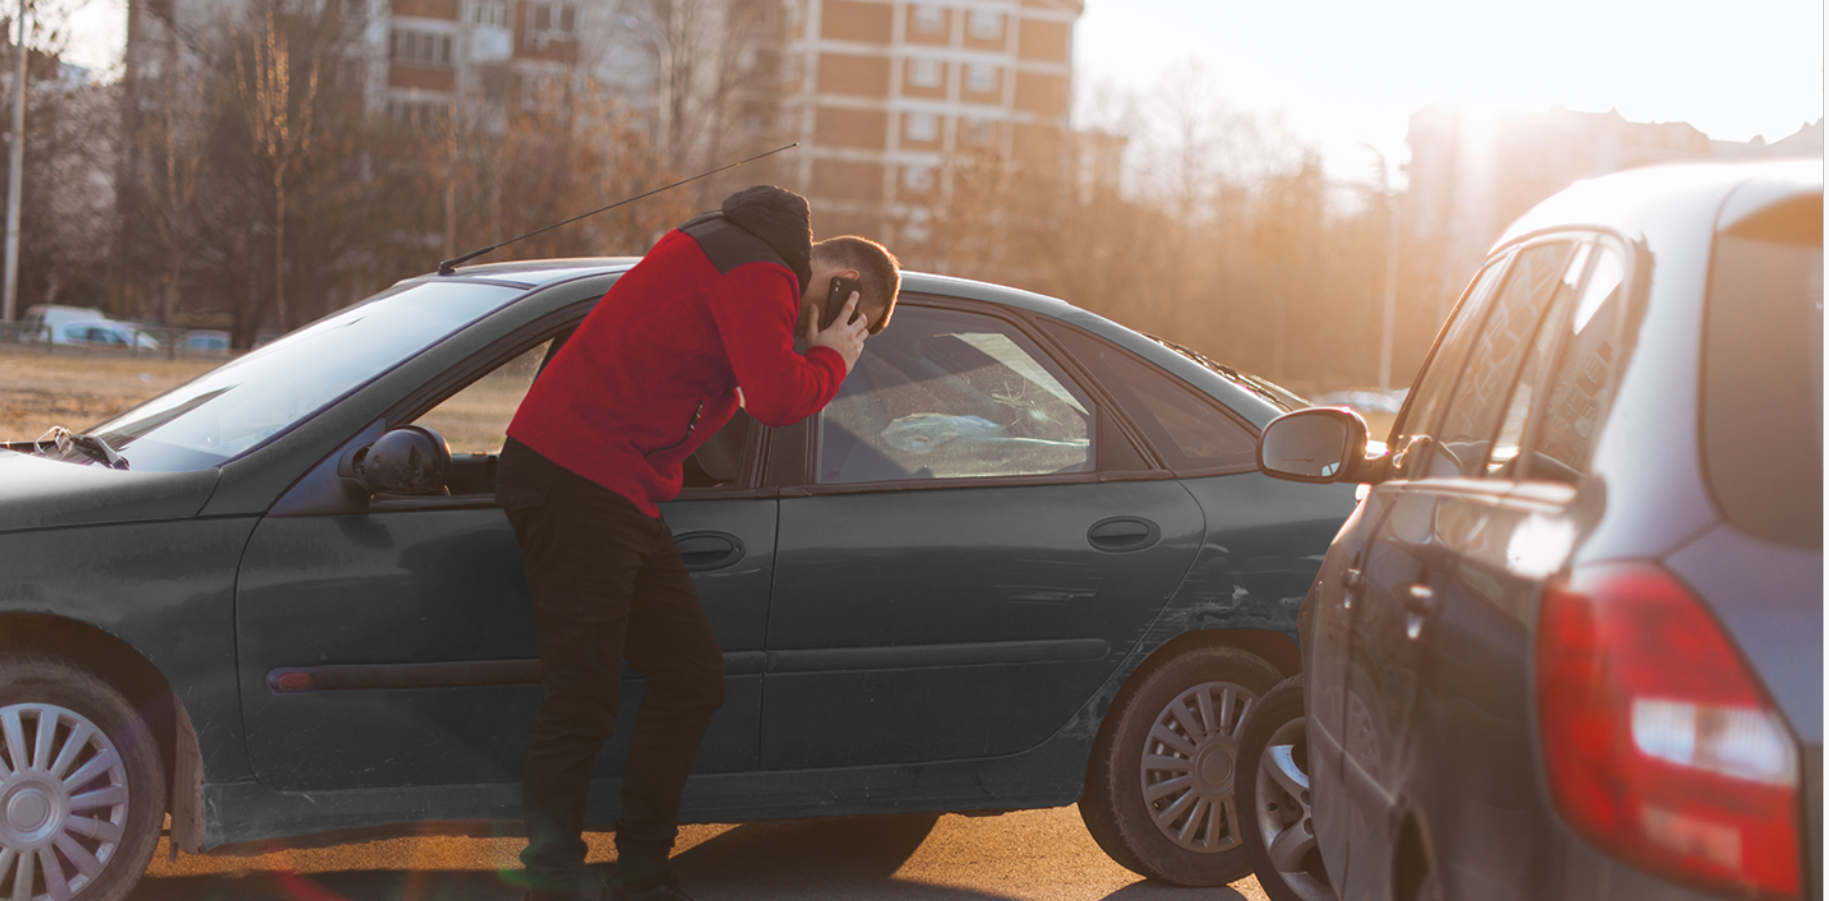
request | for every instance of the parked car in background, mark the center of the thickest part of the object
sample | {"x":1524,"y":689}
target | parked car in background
{"x":1363,"y":401}
{"x":40,"y":319}
{"x":206,"y":341}
{"x":1024,"y":559}
{"x":1569,"y":646}
{"x":103,"y":333}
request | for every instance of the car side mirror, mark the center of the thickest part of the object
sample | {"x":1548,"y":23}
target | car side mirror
{"x":1319,"y":444}
{"x":411,"y":459}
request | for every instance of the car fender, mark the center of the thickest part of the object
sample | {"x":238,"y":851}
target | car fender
{"x":163,"y":591}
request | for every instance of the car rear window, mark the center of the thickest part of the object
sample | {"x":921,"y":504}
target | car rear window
{"x":1762,"y":375}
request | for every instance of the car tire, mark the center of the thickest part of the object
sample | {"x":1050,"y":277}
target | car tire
{"x":1274,"y":798}
{"x":1159,"y":787}
{"x":82,"y":788}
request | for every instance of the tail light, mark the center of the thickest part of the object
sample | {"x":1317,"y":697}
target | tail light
{"x":1659,"y":745}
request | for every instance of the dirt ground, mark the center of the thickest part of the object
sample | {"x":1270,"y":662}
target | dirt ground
{"x":40,"y":390}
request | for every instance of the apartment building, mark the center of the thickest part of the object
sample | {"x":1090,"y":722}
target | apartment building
{"x":885,"y":95}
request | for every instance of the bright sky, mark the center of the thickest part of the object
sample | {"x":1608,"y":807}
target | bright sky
{"x":1345,"y":72}
{"x":98,"y":28}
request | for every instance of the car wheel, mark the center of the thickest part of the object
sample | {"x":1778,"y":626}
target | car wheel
{"x":82,"y":790}
{"x":1159,"y":792}
{"x":1279,"y":824}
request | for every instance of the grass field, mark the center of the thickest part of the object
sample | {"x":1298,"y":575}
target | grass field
{"x":39,"y":390}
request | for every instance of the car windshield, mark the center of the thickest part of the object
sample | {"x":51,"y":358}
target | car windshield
{"x":233,"y":409}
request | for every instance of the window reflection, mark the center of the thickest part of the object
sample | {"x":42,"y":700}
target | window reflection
{"x":946,"y":394}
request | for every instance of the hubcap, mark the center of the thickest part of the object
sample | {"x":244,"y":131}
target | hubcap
{"x":1284,"y":816}
{"x":1189,"y":767}
{"x":63,"y":802}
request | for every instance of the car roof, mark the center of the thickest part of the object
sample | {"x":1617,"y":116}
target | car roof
{"x":1235,"y":392}
{"x":541,"y":273}
{"x":1642,"y":204}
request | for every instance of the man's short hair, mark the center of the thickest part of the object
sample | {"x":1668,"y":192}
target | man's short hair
{"x":877,"y":269}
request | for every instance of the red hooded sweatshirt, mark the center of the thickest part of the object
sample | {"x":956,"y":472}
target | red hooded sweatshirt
{"x":654,"y":369}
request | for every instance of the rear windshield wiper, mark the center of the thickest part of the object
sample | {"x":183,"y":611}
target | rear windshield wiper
{"x":65,"y":442}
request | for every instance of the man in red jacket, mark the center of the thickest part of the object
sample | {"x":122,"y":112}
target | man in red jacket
{"x":704,"y":324}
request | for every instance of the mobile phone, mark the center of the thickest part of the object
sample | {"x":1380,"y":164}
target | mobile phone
{"x":835,"y":301}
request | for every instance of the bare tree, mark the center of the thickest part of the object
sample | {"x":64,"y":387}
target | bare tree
{"x":171,"y":144}
{"x":279,"y":99}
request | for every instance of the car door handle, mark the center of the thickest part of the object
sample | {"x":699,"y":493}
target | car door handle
{"x":1417,"y":598}
{"x":1123,"y":533}
{"x":709,"y":550}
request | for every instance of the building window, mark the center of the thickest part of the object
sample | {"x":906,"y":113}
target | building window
{"x":419,"y":48}
{"x":554,"y":18}
{"x":924,"y":73}
{"x":489,"y":13}
{"x":929,"y":19}
{"x":980,"y":78}
{"x":979,"y":132}
{"x":919,"y":179}
{"x":922,"y":127}
{"x":984,"y":25}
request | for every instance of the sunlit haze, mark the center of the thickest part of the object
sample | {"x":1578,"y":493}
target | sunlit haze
{"x":1343,"y":73}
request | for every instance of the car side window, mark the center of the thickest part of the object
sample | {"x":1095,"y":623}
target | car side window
{"x":475,"y":419}
{"x":1478,"y":405}
{"x":1410,"y":442}
{"x":953,"y":395}
{"x":1189,"y":430}
{"x":1580,"y":388}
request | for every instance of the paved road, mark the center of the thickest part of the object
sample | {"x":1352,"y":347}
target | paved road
{"x":1043,"y":855}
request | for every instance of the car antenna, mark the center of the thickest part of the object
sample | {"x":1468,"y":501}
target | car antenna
{"x":449,"y":267}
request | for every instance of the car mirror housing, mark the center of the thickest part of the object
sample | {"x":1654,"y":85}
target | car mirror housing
{"x":1319,"y":444}
{"x":411,"y":459}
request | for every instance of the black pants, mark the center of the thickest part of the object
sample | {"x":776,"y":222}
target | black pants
{"x":608,"y":585}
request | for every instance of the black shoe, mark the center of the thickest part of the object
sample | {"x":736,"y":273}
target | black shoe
{"x":589,"y":890}
{"x":587,"y":894}
{"x":666,"y":891}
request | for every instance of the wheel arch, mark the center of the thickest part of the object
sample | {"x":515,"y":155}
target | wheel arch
{"x":1275,"y":648}
{"x":135,"y":677}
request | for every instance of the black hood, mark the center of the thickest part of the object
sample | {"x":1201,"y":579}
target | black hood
{"x":36,"y":493}
{"x":782,"y":219}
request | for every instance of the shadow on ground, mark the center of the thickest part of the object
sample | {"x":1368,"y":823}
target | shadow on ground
{"x":876,"y":858}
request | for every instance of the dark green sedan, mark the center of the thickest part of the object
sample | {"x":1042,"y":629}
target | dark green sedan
{"x":1024,"y":560}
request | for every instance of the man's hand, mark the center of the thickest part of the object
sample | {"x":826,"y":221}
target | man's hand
{"x":844,"y":336}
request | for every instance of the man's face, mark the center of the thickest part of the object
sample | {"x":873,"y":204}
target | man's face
{"x":813,"y":300}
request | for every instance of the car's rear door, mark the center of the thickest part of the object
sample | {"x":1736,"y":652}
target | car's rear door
{"x":970,"y":545}
{"x":389,"y":642}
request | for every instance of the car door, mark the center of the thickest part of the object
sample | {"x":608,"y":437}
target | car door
{"x":1413,"y":565}
{"x":1331,"y":608}
{"x":971,"y":547}
{"x":1472,"y":728}
{"x":389,"y":641}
